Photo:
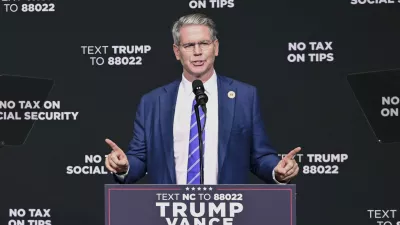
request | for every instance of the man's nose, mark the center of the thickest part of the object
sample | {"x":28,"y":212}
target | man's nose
{"x":197,"y":50}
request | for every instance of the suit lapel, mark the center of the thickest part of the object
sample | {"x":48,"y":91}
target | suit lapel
{"x":226,"y":110}
{"x":167,"y":111}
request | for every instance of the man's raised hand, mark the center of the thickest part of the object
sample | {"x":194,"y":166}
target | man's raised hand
{"x":116,"y":162}
{"x":287,"y":168}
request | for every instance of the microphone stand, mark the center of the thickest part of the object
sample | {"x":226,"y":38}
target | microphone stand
{"x":201,"y":147}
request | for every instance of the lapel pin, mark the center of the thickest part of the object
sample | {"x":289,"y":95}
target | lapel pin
{"x":231,"y":94}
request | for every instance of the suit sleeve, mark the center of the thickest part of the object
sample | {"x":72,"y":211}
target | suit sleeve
{"x":263,"y":157}
{"x":137,"y":150}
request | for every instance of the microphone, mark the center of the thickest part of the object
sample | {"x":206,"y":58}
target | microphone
{"x":201,"y":99}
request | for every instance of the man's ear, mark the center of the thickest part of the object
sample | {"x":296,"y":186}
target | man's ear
{"x":216,"y":48}
{"x":176,"y":52}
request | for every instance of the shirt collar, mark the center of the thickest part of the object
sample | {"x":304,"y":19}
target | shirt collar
{"x":210,"y":86}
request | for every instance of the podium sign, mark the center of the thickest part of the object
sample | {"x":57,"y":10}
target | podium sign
{"x":137,"y":204}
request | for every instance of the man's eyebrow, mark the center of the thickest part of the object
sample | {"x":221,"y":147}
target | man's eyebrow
{"x":196,"y":42}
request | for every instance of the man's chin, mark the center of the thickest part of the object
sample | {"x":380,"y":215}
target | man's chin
{"x":198,"y":72}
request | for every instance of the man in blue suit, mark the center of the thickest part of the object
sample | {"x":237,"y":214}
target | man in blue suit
{"x":165,"y":143}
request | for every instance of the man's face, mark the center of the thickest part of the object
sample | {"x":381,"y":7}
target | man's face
{"x":196,"y":50}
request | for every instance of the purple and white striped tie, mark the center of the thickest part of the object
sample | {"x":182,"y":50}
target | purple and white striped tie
{"x":193,"y":171}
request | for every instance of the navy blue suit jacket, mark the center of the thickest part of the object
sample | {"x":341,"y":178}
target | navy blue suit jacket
{"x":243,"y":144}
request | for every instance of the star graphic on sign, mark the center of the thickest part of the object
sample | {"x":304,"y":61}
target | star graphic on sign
{"x":205,"y":188}
{"x":187,"y":188}
{"x":210,"y":188}
{"x":193,"y":188}
{"x":199,"y":188}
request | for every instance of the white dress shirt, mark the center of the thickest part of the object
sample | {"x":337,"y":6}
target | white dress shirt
{"x":182,"y":119}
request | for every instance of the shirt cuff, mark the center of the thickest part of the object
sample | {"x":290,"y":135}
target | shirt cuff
{"x":122,"y":176}
{"x":273,"y":177}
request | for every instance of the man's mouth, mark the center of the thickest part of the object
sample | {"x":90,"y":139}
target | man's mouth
{"x":198,"y":62}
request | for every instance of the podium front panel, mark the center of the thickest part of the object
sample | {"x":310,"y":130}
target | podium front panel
{"x":200,"y":204}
